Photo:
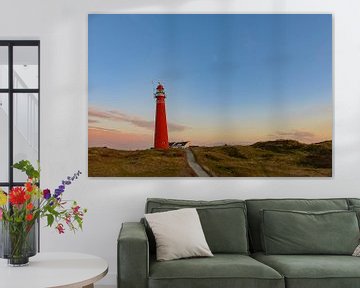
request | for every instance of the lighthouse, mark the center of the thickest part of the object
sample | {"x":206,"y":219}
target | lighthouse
{"x":161,"y":140}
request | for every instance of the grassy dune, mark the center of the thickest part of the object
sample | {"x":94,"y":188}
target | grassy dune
{"x":278,"y":158}
{"x":105,"y":162}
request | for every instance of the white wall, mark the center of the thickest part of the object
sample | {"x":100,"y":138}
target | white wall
{"x":61,"y":25}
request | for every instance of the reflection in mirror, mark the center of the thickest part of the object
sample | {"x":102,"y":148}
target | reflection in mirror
{"x":5,"y":189}
{"x":4,"y":67}
{"x":26,"y":74}
{"x":4,"y":137}
{"x":26,"y":130}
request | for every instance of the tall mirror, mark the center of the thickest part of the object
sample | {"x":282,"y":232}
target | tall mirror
{"x":19,"y":108}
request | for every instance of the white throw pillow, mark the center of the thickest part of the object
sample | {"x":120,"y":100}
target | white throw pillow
{"x":357,"y":251}
{"x":178,"y":234}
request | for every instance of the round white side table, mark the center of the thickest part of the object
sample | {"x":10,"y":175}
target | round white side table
{"x":50,"y":270}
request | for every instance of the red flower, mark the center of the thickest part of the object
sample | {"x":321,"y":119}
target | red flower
{"x":60,"y":228}
{"x":29,"y":206}
{"x":27,"y":196}
{"x":29,"y":186}
{"x":29,"y":217}
{"x":17,"y":196}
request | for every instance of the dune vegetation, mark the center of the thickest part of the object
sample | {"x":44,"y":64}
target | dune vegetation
{"x":280,"y":158}
{"x":106,"y":162}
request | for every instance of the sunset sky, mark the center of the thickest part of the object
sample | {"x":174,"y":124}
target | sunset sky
{"x":229,"y":79}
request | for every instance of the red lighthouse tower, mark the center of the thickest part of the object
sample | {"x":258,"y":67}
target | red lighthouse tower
{"x":161,"y":140}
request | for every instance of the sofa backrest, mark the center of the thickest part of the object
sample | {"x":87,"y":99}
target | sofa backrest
{"x":223,"y":221}
{"x":256,"y":205}
{"x":353,"y":202}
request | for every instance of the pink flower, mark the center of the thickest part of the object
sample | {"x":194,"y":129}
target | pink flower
{"x":76,"y":210}
{"x":1,"y":214}
{"x":60,"y":228}
{"x":68,"y":219}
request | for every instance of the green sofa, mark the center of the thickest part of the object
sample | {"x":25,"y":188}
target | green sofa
{"x":233,"y":231}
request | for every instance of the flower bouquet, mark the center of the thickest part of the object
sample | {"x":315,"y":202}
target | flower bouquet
{"x":21,"y":208}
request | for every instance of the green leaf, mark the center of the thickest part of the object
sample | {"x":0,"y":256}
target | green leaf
{"x":50,"y":219}
{"x":26,"y":167}
{"x":79,"y":221}
{"x":53,"y":211}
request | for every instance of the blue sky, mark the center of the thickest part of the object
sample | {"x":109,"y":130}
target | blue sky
{"x":229,"y":78}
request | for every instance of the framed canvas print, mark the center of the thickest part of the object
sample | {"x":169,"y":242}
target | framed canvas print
{"x":210,"y":95}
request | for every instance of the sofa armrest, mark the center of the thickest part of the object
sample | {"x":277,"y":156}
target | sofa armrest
{"x":133,"y":256}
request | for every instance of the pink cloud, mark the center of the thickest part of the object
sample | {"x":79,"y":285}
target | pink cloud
{"x":111,"y":138}
{"x":116,"y":115}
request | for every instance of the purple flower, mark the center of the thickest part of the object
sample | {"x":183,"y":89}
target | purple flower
{"x":46,"y":194}
{"x":58,"y":192}
{"x":68,"y":181}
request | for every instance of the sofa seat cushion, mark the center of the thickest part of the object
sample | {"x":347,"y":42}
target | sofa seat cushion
{"x":314,"y":271}
{"x":222,"y":270}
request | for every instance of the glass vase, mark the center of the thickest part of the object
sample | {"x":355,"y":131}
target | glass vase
{"x":18,"y":242}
